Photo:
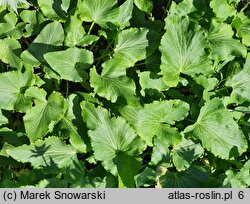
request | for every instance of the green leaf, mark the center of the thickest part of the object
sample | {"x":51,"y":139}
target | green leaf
{"x":8,"y":25}
{"x":113,"y":85}
{"x":70,"y":123}
{"x":70,"y":64}
{"x":155,"y":119}
{"x":150,"y":81}
{"x":222,"y":9}
{"x":242,"y":24}
{"x":49,"y":154}
{"x":161,"y":152}
{"x":185,"y":153}
{"x":50,"y":39}
{"x":217,"y":131}
{"x":94,"y":117}
{"x":13,"y":85}
{"x":240,"y":82}
{"x":127,"y":167}
{"x":125,"y":13}
{"x":240,"y":179}
{"x":33,"y":20}
{"x":111,"y":137}
{"x":54,"y":9}
{"x":41,"y":118}
{"x":13,"y":3}
{"x":3,"y":119}
{"x":75,"y":32}
{"x":222,"y":44}
{"x":135,"y":44}
{"x":194,"y":177}
{"x":146,"y":178}
{"x":10,"y":52}
{"x":195,"y":9}
{"x":144,"y":5}
{"x":98,"y":11}
{"x":182,"y":50}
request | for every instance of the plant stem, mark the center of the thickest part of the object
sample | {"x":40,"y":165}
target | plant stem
{"x":91,"y":27}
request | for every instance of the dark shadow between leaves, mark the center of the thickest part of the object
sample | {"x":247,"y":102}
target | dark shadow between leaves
{"x":234,"y":152}
{"x":38,"y":50}
{"x":57,"y":7}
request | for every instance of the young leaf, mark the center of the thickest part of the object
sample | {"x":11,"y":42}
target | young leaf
{"x":49,"y":154}
{"x":43,"y":116}
{"x":182,"y":50}
{"x":217,"y":131}
{"x":10,"y":52}
{"x":12,"y":90}
{"x":70,"y":64}
{"x":155,"y":119}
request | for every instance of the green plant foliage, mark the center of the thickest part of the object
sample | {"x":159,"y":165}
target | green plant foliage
{"x":124,"y":93}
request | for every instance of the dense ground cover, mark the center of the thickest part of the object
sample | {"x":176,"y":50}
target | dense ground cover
{"x":124,"y":93}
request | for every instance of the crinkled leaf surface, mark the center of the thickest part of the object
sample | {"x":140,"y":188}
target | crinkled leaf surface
{"x":10,"y":52}
{"x":71,"y":63}
{"x":155,"y":119}
{"x":110,"y":137}
{"x":50,"y":39}
{"x":221,"y":42}
{"x":218,"y":132}
{"x":43,"y":115}
{"x":12,"y":90}
{"x":182,"y":50}
{"x":240,"y":82}
{"x":242,"y":25}
{"x":51,"y":154}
